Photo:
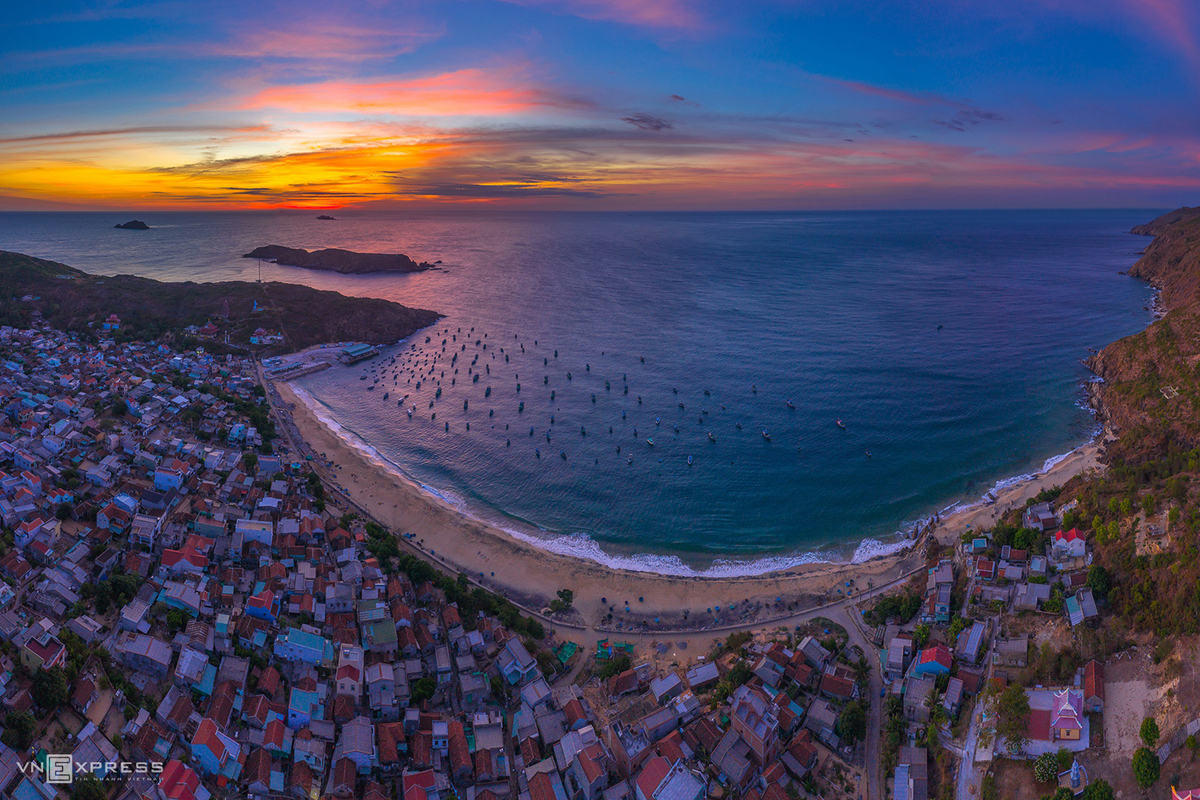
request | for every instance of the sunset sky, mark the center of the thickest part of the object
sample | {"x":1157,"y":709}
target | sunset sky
{"x":600,"y":104}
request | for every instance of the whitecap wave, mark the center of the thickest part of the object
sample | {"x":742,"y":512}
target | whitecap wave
{"x":582,"y":546}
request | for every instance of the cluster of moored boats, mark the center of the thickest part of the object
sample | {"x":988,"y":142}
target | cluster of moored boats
{"x":470,"y":357}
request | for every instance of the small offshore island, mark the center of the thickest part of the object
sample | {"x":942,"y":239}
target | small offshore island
{"x":133,"y":225}
{"x":346,"y":262}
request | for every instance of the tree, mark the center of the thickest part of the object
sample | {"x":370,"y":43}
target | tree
{"x":1192,"y":744}
{"x":1098,"y":789}
{"x":564,"y":600}
{"x":120,"y":408}
{"x":1045,"y":769}
{"x":87,"y":787}
{"x":615,"y":666}
{"x":852,"y":724}
{"x":19,"y":727}
{"x":423,"y":689}
{"x":1145,"y":767}
{"x":1149,"y":731}
{"x":1013,"y":718}
{"x":920,"y":636}
{"x":1099,"y":581}
{"x":50,"y":688}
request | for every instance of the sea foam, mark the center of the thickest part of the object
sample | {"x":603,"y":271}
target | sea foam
{"x":582,"y":546}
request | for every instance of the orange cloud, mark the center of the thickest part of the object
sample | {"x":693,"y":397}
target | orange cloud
{"x":465,"y":92}
{"x":330,"y":165}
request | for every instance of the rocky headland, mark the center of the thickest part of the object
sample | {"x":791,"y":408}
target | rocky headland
{"x":1150,"y":395}
{"x":33,"y":290}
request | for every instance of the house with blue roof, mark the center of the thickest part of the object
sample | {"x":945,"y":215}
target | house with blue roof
{"x":302,"y":705}
{"x":215,"y":753}
{"x":300,"y":645}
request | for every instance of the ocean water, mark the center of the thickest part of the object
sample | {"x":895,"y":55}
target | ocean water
{"x":947,"y":343}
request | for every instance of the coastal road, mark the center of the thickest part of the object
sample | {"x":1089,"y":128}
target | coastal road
{"x":849,"y":618}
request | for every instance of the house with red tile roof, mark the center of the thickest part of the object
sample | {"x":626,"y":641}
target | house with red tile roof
{"x":1071,"y":544}
{"x":1093,"y":686}
{"x":935,"y":660}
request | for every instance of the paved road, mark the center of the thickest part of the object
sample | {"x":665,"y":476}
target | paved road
{"x":850,"y":619}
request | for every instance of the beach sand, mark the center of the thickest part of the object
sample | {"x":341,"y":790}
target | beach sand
{"x":531,"y":576}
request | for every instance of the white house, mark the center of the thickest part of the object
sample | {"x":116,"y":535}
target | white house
{"x":1071,"y":544}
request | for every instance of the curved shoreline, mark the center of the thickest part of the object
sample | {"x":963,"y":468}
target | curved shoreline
{"x":656,"y":601}
{"x":582,"y":546}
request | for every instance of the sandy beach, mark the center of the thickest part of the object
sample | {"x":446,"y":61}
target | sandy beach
{"x":531,"y":576}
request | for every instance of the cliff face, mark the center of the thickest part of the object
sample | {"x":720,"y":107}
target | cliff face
{"x":346,"y":262}
{"x":1151,"y":390}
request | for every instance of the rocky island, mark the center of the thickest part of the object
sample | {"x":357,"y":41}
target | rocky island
{"x":346,"y":262}
{"x":72,"y":300}
{"x":133,"y":225}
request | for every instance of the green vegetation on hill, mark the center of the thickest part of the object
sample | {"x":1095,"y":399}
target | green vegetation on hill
{"x":72,"y":300}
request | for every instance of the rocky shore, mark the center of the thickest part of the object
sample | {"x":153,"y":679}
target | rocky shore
{"x":1149,"y":396}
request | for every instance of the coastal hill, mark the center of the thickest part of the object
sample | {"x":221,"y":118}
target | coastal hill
{"x":1151,"y":390}
{"x":346,"y":262}
{"x":70,"y":299}
{"x":1159,"y":224}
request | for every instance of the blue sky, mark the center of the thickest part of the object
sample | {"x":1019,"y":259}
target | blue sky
{"x":603,"y":104}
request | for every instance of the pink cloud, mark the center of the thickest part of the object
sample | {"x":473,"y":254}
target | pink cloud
{"x":465,"y":92}
{"x":661,"y":14}
{"x":335,"y":41}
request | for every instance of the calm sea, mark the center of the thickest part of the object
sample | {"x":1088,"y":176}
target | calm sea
{"x":947,"y":343}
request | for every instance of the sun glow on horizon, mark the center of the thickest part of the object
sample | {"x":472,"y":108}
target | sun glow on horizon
{"x":593,"y":104}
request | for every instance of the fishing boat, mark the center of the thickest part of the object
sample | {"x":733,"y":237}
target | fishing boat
{"x":689,"y":461}
{"x":711,"y":438}
{"x":766,"y":436}
{"x":385,"y":395}
{"x":790,"y":404}
{"x":563,"y":453}
{"x":650,"y":442}
{"x":841,"y":424}
{"x":537,"y":452}
{"x":658,"y":420}
{"x":738,"y":425}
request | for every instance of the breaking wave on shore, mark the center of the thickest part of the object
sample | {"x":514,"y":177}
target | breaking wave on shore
{"x":584,"y":547}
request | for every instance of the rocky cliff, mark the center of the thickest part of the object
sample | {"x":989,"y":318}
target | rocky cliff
{"x":1150,"y":396}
